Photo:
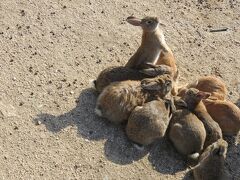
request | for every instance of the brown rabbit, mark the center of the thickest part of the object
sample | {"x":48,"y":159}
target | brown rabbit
{"x":210,"y":84}
{"x":186,"y":132}
{"x":149,"y":122}
{"x":226,"y":114}
{"x":211,"y":163}
{"x":238,"y":103}
{"x":193,"y":99}
{"x":117,"y":100}
{"x":114,"y":74}
{"x":153,"y":49}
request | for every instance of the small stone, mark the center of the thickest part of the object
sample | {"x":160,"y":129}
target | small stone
{"x":98,"y":61}
{"x":71,"y":92}
{"x":22,"y":13}
{"x":38,"y":122}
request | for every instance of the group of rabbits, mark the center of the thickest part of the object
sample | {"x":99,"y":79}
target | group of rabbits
{"x":145,"y":95}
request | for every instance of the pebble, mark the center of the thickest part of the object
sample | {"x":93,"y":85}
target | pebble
{"x":38,"y":122}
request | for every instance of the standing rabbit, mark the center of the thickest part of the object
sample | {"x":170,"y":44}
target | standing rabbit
{"x":153,"y":49}
{"x":152,"y":53}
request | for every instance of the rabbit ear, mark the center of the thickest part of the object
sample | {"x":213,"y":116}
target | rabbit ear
{"x":180,"y":103}
{"x":193,"y":84}
{"x":134,"y":21}
{"x":203,"y":95}
{"x":150,"y":85}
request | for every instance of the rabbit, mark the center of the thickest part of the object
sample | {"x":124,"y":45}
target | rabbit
{"x":186,"y":132}
{"x":118,"y":100}
{"x":149,"y":122}
{"x":238,"y":103}
{"x":153,"y":49}
{"x":193,"y":99}
{"x":226,"y":114}
{"x":211,"y":163}
{"x":113,"y":74}
{"x":210,"y":84}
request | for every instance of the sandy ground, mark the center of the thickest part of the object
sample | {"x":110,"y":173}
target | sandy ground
{"x":51,"y":49}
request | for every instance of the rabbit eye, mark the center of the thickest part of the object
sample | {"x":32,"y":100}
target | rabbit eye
{"x":168,"y":83}
{"x":149,"y":22}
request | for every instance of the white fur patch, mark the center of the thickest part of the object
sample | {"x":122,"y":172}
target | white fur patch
{"x":140,"y":148}
{"x":91,"y":82}
{"x":157,"y":57}
{"x":177,"y":125}
{"x":194,"y":156}
{"x":98,"y":112}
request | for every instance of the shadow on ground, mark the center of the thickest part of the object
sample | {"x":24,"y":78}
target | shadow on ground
{"x":118,"y":148}
{"x":233,"y":156}
{"x":165,"y":159}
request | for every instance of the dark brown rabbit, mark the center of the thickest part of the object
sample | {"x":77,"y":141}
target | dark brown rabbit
{"x":149,"y":122}
{"x":211,"y":163}
{"x":186,"y":131}
{"x":114,"y":74}
{"x":193,"y":99}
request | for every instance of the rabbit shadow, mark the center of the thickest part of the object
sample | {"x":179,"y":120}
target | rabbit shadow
{"x":118,"y":148}
{"x":188,"y":175}
{"x":233,"y":157}
{"x":165,"y":159}
{"x":89,"y":125}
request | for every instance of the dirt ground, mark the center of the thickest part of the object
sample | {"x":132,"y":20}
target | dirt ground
{"x":51,"y":49}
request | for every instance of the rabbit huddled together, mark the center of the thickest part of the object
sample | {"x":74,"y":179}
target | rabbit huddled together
{"x":144,"y":94}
